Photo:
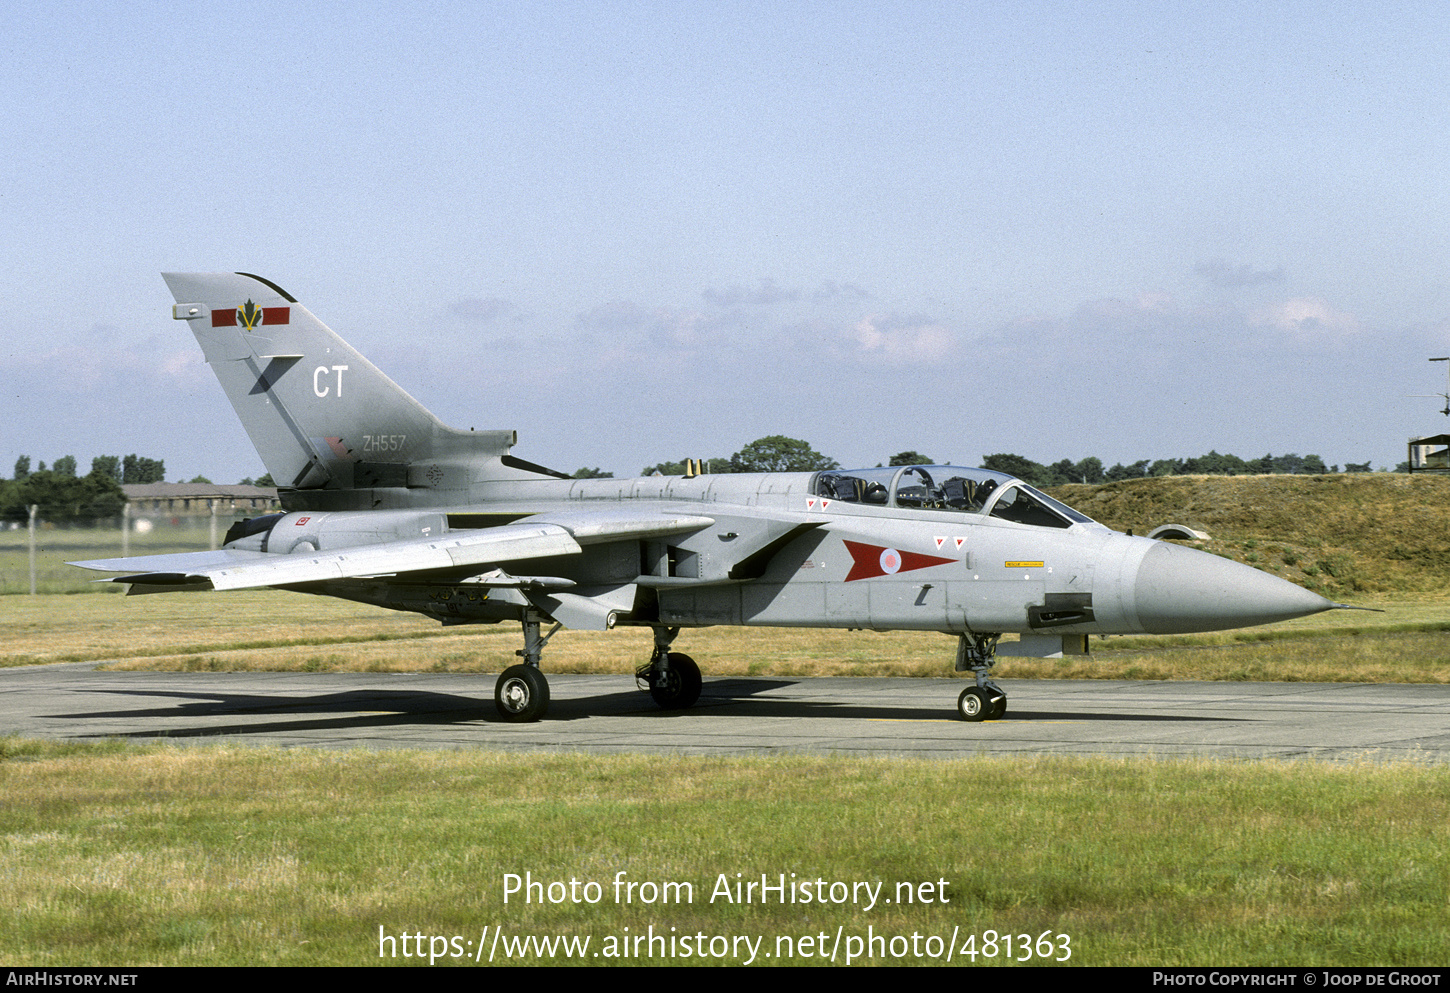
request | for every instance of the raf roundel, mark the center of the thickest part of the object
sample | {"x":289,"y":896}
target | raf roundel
{"x":871,"y":561}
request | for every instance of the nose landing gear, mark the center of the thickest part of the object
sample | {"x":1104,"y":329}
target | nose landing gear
{"x":985,"y":701}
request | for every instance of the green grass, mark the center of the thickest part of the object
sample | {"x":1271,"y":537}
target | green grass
{"x":1343,"y":535}
{"x":221,"y":855}
{"x":56,"y":545}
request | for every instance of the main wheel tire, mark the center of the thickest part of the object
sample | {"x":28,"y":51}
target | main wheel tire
{"x":973,"y":705}
{"x":678,"y":687}
{"x":998,"y":709}
{"x":521,"y":694}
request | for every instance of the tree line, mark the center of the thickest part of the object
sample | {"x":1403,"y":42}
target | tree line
{"x":131,"y":469}
{"x":64,"y":496}
{"x":774,"y":453}
{"x":778,"y":453}
{"x":1090,"y":470}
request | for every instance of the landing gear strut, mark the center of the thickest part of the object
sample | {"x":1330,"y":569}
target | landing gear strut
{"x":522,"y":693}
{"x":985,"y":701}
{"x":673,"y":679}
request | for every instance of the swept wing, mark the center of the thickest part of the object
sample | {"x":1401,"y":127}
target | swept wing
{"x":546,"y":535}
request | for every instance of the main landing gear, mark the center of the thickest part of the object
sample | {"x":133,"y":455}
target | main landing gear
{"x":673,"y":679}
{"x":985,"y":701}
{"x":522,"y":693}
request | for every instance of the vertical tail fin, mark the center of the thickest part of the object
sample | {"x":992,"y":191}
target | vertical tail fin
{"x":319,"y":414}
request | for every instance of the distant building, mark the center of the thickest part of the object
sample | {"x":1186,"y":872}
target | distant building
{"x":196,"y":499}
{"x":1430,"y":454}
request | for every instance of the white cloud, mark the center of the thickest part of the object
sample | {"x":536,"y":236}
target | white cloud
{"x":1307,"y":316}
{"x":909,"y":341}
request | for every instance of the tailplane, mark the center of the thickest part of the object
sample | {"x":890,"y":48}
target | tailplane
{"x":320,"y":415}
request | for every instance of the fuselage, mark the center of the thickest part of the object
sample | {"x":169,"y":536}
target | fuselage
{"x":935,"y":548}
{"x":387,"y":505}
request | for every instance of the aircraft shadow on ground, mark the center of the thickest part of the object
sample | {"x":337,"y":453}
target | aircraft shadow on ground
{"x":357,"y":709}
{"x":371,"y":708}
{"x":742,"y":696}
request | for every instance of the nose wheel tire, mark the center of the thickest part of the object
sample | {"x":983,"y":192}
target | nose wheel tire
{"x":976,"y":704}
{"x":521,"y":694}
{"x":678,"y":687}
{"x":973,"y":705}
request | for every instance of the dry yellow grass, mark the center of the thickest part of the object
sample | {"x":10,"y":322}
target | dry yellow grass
{"x":277,"y":631}
{"x":1336,"y":534}
{"x":61,"y":628}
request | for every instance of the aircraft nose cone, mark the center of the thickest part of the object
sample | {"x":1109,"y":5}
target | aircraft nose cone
{"x":1179,"y":590}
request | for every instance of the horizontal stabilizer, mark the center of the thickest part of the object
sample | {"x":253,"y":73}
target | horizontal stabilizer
{"x":229,"y":569}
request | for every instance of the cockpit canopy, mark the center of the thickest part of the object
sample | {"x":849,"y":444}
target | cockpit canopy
{"x":948,"y":488}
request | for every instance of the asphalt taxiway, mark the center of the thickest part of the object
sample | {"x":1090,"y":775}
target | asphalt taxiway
{"x":735,"y":715}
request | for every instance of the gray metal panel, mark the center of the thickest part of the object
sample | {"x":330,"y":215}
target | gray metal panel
{"x":249,"y":570}
{"x":992,"y":605}
{"x":310,"y":402}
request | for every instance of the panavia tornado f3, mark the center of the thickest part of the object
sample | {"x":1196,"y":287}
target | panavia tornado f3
{"x":386,"y":505}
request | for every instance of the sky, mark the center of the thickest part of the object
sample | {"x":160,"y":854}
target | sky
{"x":641,"y":232}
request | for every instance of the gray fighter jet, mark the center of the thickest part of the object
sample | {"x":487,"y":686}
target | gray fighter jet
{"x":387,"y":505}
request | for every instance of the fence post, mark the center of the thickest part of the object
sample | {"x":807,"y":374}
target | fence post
{"x":34,"y":508}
